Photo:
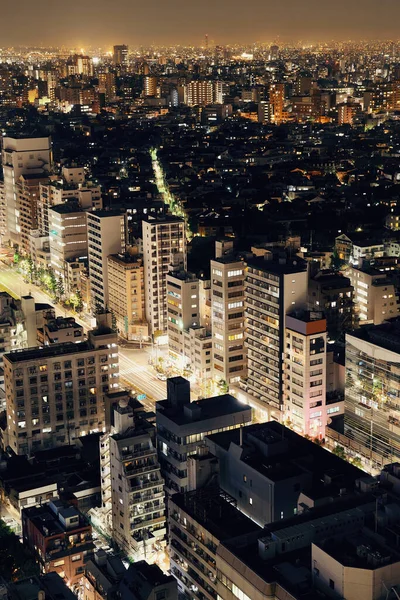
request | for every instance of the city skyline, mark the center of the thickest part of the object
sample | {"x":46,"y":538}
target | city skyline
{"x":183,"y":23}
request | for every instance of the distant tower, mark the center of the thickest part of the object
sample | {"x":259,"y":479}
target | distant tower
{"x":206,"y":41}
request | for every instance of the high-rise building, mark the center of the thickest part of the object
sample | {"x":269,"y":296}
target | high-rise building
{"x":274,"y":287}
{"x":333,"y":294}
{"x":372,"y":415}
{"x":68,"y":236}
{"x":304,"y":378}
{"x":201,"y":92}
{"x":229,"y":358}
{"x":126,"y":295}
{"x":183,"y":311}
{"x":21,"y":156}
{"x":150,"y":86}
{"x":182,"y":424}
{"x":106,"y":235}
{"x":277,"y":101}
{"x":376,"y":296}
{"x":107,"y":85}
{"x":72,"y":185}
{"x":120,"y":55}
{"x":163,"y":239}
{"x":80,"y":65}
{"x":132,"y":486}
{"x":28,"y":201}
{"x":56,"y":393}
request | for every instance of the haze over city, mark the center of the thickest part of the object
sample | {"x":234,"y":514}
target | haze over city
{"x":181,"y":22}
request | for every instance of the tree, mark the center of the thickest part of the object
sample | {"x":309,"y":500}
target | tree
{"x":340,"y":452}
{"x":336,"y":262}
{"x":16,"y":562}
{"x":51,"y":282}
{"x":60,"y":291}
{"x":356,"y":462}
{"x":30,"y":265}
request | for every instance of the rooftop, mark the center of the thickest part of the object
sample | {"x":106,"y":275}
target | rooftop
{"x":386,"y":335}
{"x":281,"y":266}
{"x":29,"y":354}
{"x":202,"y":410}
{"x":67,"y":208}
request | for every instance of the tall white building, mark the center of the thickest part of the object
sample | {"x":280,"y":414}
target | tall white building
{"x":68,"y":236}
{"x":21,"y":156}
{"x":132,"y":486}
{"x":106,"y":235}
{"x":304,"y":378}
{"x":183,"y":311}
{"x":227,"y":314}
{"x":163,"y":239}
{"x":274,"y":287}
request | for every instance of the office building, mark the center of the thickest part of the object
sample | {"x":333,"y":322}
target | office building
{"x":183,"y":312}
{"x":120,"y":55}
{"x":126,"y":295}
{"x":265,"y":113}
{"x":182,"y":424}
{"x":274,"y":287}
{"x":376,"y":296}
{"x":132,"y":486}
{"x":60,"y":537}
{"x":106,"y":235}
{"x":372,"y":417}
{"x":78,"y":64}
{"x":305,"y":373}
{"x":229,"y":358}
{"x":56,"y":393}
{"x":21,"y":156}
{"x":67,"y":236}
{"x":163,"y":239}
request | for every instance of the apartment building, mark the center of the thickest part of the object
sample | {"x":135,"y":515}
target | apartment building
{"x":132,"y":486}
{"x":333,"y":294}
{"x":27,"y":190}
{"x":68,"y":238}
{"x":229,"y":357}
{"x":183,"y":311}
{"x":72,"y":184}
{"x":106,"y":235}
{"x":375,"y":294}
{"x":163,"y":239}
{"x":274,"y":287}
{"x":182,"y":424}
{"x":56,"y":393}
{"x":372,"y":416}
{"x":60,"y":537}
{"x":126,"y":295}
{"x":305,"y":373}
{"x":21,"y":156}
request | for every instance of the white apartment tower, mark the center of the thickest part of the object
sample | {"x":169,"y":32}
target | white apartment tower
{"x":106,"y":235}
{"x":132,"y":485}
{"x":163,"y":239}
{"x":183,"y":311}
{"x":304,"y":377}
{"x":68,"y":236}
{"x":227,"y":314}
{"x":274,"y":287}
{"x":21,"y":156}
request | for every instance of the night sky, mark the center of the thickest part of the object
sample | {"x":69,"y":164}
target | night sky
{"x":103,"y":23}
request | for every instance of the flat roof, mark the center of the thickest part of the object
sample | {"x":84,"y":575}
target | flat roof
{"x":291,"y":265}
{"x":386,"y":335}
{"x":210,"y":408}
{"x":63,"y":349}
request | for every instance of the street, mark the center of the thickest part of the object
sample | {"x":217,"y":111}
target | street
{"x":135,"y":370}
